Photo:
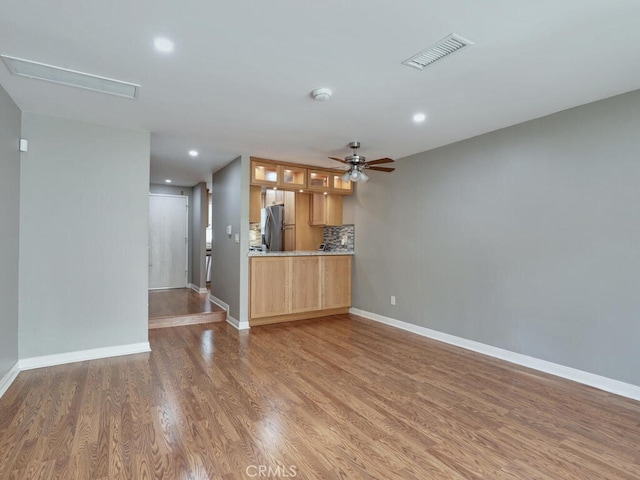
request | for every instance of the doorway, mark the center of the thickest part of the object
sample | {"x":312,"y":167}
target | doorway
{"x":168,"y":241}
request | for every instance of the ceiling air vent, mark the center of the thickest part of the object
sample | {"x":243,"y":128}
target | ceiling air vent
{"x":448,"y":45}
{"x":41,"y":71}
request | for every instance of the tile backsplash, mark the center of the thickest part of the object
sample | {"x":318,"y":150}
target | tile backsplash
{"x":333,"y":237}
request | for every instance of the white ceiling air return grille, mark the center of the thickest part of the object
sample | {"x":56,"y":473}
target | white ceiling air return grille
{"x":448,"y":45}
{"x":64,"y":76}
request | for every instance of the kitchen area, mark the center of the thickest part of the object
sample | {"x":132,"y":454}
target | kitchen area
{"x":300,"y":251}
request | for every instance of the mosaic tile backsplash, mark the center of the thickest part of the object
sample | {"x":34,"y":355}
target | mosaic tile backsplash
{"x":333,"y":237}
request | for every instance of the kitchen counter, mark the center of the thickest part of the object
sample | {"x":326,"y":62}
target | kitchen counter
{"x":297,"y":253}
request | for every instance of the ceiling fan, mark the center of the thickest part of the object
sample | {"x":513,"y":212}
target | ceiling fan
{"x":357,"y":164}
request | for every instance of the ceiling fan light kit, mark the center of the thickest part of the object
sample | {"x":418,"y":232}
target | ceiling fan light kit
{"x":358,"y":163}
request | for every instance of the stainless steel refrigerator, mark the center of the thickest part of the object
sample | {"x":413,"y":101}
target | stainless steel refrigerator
{"x":273,"y":228}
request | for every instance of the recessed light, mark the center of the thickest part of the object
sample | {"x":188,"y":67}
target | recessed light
{"x":419,"y":117}
{"x":163,"y":44}
{"x":168,"y":180}
{"x":193,"y":153}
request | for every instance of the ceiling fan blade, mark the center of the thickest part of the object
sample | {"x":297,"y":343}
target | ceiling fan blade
{"x":337,"y":159}
{"x":381,"y":160}
{"x":382,"y":169}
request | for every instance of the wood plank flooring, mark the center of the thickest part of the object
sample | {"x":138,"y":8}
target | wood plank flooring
{"x":334,"y":398}
{"x":182,"y":306}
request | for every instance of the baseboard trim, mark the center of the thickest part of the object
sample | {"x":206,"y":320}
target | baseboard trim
{"x":234,"y":322}
{"x":9,"y":377}
{"x":237,"y":324}
{"x":197,"y":289}
{"x":591,"y":379}
{"x":220,"y":303}
{"x":82,"y":355}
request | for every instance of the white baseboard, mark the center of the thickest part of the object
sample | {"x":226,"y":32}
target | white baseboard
{"x":197,"y":289}
{"x":603,"y":383}
{"x":220,"y":303}
{"x":82,"y":355}
{"x":9,"y":377}
{"x":230,"y":320}
{"x":237,"y":323}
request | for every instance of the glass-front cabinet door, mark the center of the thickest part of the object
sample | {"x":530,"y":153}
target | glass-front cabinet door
{"x":340,"y":186}
{"x":319,"y":180}
{"x":263,"y":173}
{"x":294,"y":177}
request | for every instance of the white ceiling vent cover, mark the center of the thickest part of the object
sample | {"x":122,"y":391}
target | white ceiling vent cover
{"x":41,"y":71}
{"x":448,"y":45}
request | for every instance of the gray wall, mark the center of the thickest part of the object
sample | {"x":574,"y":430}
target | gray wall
{"x":9,"y":230}
{"x":199,"y":238}
{"x":83,"y":236}
{"x":226,"y":208}
{"x":188,"y":192}
{"x":527,"y":239}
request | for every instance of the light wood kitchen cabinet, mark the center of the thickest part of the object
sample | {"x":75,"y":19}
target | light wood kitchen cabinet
{"x":289,"y":208}
{"x":306,"y":294}
{"x":292,"y":177}
{"x":289,"y":238}
{"x":340,"y":186}
{"x":318,"y":180}
{"x":269,"y":286}
{"x":255,"y":204}
{"x":285,"y":288}
{"x":325,"y":210}
{"x":336,"y":280}
{"x":273,"y":197}
{"x":264,"y":173}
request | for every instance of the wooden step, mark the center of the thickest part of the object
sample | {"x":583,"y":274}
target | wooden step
{"x":192,"y":319}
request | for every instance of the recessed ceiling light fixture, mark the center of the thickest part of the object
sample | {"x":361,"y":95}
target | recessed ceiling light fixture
{"x":168,"y":180}
{"x":193,"y":153}
{"x":72,"y":78}
{"x":419,"y":117}
{"x":163,"y":44}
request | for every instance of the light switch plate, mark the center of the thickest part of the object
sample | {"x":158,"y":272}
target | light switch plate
{"x":237,"y":238}
{"x":228,"y":229}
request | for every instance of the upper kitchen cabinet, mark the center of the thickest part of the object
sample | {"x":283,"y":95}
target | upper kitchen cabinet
{"x":340,"y":186}
{"x":263,"y":173}
{"x":292,"y":177}
{"x":319,"y":180}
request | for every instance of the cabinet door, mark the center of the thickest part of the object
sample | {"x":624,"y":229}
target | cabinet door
{"x":269,"y":286}
{"x":289,"y":238}
{"x":340,"y":186}
{"x":263,"y":173}
{"x":292,"y":177}
{"x":289,"y":208}
{"x":319,"y":180}
{"x":305,"y":284}
{"x":336,"y":281}
{"x":273,"y":197}
{"x":318,"y":210}
{"x":254,"y":204}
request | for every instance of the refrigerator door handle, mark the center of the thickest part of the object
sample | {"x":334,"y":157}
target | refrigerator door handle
{"x":267,"y":231}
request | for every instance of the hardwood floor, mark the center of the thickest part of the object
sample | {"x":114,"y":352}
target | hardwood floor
{"x":182,"y":306}
{"x":336,"y":398}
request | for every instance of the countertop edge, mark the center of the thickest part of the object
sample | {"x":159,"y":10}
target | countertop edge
{"x":297,"y":253}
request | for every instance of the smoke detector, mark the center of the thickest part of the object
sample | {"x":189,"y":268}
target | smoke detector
{"x":321,"y":94}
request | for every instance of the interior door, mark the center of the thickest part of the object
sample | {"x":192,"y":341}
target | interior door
{"x":168,"y":232}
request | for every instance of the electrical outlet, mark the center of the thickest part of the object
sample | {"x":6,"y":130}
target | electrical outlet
{"x":228,"y":229}
{"x":237,"y":238}
{"x":344,"y":239}
{"x":393,"y":299}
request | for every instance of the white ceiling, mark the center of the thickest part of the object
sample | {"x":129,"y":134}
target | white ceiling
{"x":239,"y":79}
